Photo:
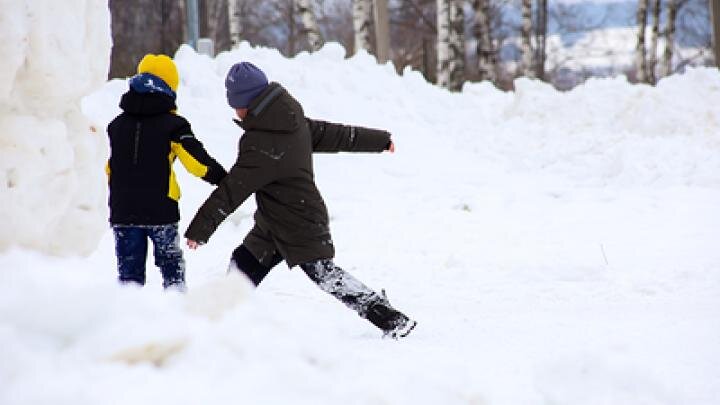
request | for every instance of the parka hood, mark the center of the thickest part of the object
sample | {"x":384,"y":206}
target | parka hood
{"x":274,"y":110}
{"x":136,"y":103}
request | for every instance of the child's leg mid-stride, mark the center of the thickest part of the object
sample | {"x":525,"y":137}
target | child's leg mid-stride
{"x":168,"y":255}
{"x":244,"y":261}
{"x":352,"y":292}
{"x":131,"y":252}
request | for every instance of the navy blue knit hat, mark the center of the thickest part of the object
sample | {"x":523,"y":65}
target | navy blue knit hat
{"x":243,"y":83}
{"x":149,"y":83}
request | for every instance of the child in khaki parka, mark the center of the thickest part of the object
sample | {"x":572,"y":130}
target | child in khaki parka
{"x":291,"y":222}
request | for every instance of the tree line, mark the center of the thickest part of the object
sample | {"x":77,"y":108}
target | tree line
{"x":449,"y":41}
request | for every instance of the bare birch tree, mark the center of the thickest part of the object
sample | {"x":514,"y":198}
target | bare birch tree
{"x":451,"y":44}
{"x":487,"y":58}
{"x":362,"y":20}
{"x":234,"y":22}
{"x":666,"y":65}
{"x":526,"y":65}
{"x":652,"y":59}
{"x":640,"y":58}
{"x":311,"y":29}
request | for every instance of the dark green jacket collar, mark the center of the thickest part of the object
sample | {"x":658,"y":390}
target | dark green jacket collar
{"x":273,"y":110}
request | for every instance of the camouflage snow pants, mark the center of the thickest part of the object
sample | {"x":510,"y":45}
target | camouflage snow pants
{"x":329,"y":277}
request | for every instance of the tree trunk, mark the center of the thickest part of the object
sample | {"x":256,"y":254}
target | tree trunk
{"x":451,"y":44}
{"x":487,"y":62}
{"x":362,"y":19}
{"x":311,"y":30}
{"x":292,"y":29}
{"x":640,"y":58}
{"x":234,"y":22}
{"x":666,"y":66}
{"x":443,"y":38}
{"x":715,"y":22}
{"x":526,"y":66}
{"x":541,"y":39}
{"x":158,"y":29}
{"x":382,"y":31}
{"x":214,"y":22}
{"x":652,"y":60}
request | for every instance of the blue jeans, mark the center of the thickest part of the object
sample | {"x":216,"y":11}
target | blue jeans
{"x":131,"y":251}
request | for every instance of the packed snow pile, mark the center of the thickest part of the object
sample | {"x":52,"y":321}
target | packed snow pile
{"x":554,"y":247}
{"x":53,"y":53}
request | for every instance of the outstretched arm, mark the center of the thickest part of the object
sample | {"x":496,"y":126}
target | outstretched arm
{"x":330,"y":137}
{"x":249,"y":174}
{"x":194,"y":157}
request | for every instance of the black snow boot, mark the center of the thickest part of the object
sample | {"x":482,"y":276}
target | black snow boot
{"x":392,"y":322}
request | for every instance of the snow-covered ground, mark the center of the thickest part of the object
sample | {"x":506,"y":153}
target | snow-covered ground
{"x":555,"y":248}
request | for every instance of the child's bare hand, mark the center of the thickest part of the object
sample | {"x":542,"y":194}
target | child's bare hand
{"x":193,"y":244}
{"x":391,"y":149}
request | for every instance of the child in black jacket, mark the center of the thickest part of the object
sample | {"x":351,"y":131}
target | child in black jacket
{"x":145,"y":140}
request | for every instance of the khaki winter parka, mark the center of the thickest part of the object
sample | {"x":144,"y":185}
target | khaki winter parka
{"x":275,"y":162}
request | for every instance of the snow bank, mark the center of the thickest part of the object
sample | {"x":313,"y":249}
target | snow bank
{"x":606,"y":132}
{"x":603,"y":132}
{"x":53,"y":53}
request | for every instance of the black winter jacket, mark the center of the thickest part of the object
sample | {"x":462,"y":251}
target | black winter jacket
{"x":275,"y":162}
{"x":145,"y":140}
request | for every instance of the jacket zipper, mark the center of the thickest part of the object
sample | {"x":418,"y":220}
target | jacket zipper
{"x":136,"y":150}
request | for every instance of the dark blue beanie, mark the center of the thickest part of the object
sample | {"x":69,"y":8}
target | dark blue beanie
{"x":149,"y":83}
{"x":243,"y":83}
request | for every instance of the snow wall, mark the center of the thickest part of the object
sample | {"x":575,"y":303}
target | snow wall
{"x":51,"y":162}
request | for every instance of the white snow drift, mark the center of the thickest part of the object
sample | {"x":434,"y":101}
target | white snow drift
{"x":53,"y":53}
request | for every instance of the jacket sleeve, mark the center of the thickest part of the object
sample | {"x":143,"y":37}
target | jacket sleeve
{"x":252,"y":170}
{"x":329,"y":137}
{"x":194,"y":157}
